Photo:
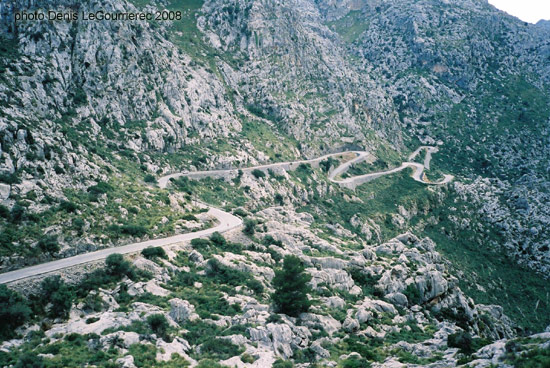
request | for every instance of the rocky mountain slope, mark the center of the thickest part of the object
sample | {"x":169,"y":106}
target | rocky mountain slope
{"x":93,"y":112}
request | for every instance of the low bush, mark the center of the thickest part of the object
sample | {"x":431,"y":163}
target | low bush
{"x":96,"y":190}
{"x":274,"y":318}
{"x":279,"y":363}
{"x":249,"y":227}
{"x":366,"y":282}
{"x":209,"y":302}
{"x":4,"y":212}
{"x":10,"y":179}
{"x":68,"y":207}
{"x":240,"y":212}
{"x":133,"y":230}
{"x":48,"y":244}
{"x":199,"y":243}
{"x":256,"y":286}
{"x":116,"y":265}
{"x":100,"y":188}
{"x":18,"y":213}
{"x":247,"y":358}
{"x":150,"y":179}
{"x":154,"y":252}
{"x":209,"y":363}
{"x":159,"y":325}
{"x":533,"y":358}
{"x":269,"y":240}
{"x":279,"y":199}
{"x":55,"y":291}
{"x":217,"y":239}
{"x":325,"y":165}
{"x":189,"y":217}
{"x":257,"y":173}
{"x":220,"y":349}
{"x":14,"y":311}
{"x":461,"y":340}
{"x":412,"y":294}
{"x":29,"y":360}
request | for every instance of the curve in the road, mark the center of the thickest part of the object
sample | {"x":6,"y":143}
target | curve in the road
{"x":226,"y":220}
{"x":418,"y":173}
{"x":353,"y":182}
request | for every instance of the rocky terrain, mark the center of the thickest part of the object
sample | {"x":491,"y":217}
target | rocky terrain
{"x":397,"y":298}
{"x":92,"y":113}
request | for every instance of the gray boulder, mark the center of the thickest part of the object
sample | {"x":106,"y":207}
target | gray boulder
{"x":182,"y":311}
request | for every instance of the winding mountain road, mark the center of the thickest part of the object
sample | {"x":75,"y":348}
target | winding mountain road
{"x":351,"y":183}
{"x":417,"y":175}
{"x":226,"y":220}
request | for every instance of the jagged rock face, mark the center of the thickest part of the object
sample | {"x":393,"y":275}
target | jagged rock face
{"x":291,"y":51}
{"x":130,"y":73}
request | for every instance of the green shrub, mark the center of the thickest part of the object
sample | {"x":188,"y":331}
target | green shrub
{"x":144,"y":355}
{"x":274,"y":318}
{"x":183,"y":184}
{"x":154,"y":252}
{"x":78,"y":224}
{"x":68,"y":207}
{"x":209,"y":363}
{"x":412,"y":294}
{"x":291,"y":287}
{"x":249,"y":227}
{"x":355,"y":362}
{"x":29,"y":360}
{"x":370,"y":349}
{"x":247,"y":358}
{"x":17,"y":213}
{"x":534,"y":358}
{"x":79,"y":97}
{"x":240,"y":212}
{"x":306,"y":355}
{"x":279,"y":199}
{"x":279,"y":363}
{"x":256,"y":286}
{"x":159,"y":325}
{"x":221,"y":274}
{"x":189,"y":217}
{"x":133,"y":230}
{"x":220,"y":349}
{"x":209,"y":302}
{"x":461,"y":340}
{"x":10,"y":179}
{"x":199,"y":243}
{"x":55,"y":291}
{"x":365,"y":281}
{"x":217,"y":239}
{"x":257,"y":173}
{"x":4,"y":212}
{"x":269,"y":240}
{"x":325,"y":165}
{"x":150,"y":179}
{"x":14,"y":311}
{"x":117,"y":265}
{"x":100,"y":188}
{"x":48,"y":244}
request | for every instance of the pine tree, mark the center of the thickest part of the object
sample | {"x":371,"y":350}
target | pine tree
{"x":291,"y":287}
